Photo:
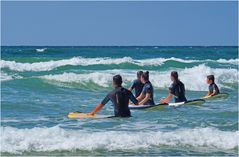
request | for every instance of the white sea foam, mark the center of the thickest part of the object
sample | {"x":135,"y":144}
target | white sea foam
{"x":49,"y":65}
{"x":100,"y":78}
{"x":7,"y":77}
{"x":15,"y":140}
{"x":194,"y":78}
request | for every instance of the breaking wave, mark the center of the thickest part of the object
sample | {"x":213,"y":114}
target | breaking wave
{"x":194,"y":78}
{"x":50,"y":65}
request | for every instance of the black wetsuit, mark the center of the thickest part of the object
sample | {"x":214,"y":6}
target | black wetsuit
{"x":178,"y":90}
{"x":213,"y":87}
{"x":120,"y":98}
{"x":137,"y":85}
{"x":148,"y":88}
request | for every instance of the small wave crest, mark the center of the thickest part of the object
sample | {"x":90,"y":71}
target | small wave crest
{"x":230,"y":61}
{"x":16,"y":141}
{"x":41,"y":50}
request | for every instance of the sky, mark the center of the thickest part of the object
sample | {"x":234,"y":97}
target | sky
{"x":75,"y":23}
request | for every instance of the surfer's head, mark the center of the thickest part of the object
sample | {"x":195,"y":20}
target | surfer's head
{"x":174,"y":76}
{"x":210,"y":79}
{"x":144,"y":77}
{"x":117,"y":81}
{"x":139,"y":74}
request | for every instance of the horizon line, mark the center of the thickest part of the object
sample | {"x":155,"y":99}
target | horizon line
{"x":121,"y":45}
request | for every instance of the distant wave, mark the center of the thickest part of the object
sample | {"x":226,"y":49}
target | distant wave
{"x":230,"y":61}
{"x":16,"y":141}
{"x":50,"y":65}
{"x":41,"y":50}
{"x":193,"y":78}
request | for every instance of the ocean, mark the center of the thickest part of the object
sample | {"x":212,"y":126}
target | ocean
{"x":40,"y":85}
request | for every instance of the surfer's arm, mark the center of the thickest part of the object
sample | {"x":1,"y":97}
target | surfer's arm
{"x":170,"y":94}
{"x":100,"y":106}
{"x":213,"y":93}
{"x":167,"y":99}
{"x":209,"y":94}
{"x":215,"y":90}
{"x":133,"y":99}
{"x":146,"y":98}
{"x":132,"y":86}
{"x":97,"y":109}
{"x":140,"y":97}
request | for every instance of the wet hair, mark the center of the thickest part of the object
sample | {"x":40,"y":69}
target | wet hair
{"x":174,"y":74}
{"x":145,"y":75}
{"x":139,"y":74}
{"x":117,"y":79}
{"x":211,"y":77}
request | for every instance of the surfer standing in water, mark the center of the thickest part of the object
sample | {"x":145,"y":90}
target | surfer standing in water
{"x":176,"y":89}
{"x":146,"y":97}
{"x":137,"y":85}
{"x":119,"y":97}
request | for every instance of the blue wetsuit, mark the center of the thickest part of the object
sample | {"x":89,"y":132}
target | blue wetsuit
{"x":178,"y":90}
{"x":148,"y":88}
{"x":213,"y":87}
{"x":120,"y":98}
{"x":137,"y":85}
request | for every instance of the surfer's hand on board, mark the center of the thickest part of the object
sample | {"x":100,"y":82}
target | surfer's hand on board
{"x":162,"y":101}
{"x":90,"y":114}
{"x":207,"y":96}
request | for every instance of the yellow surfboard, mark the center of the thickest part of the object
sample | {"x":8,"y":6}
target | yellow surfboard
{"x":79,"y":115}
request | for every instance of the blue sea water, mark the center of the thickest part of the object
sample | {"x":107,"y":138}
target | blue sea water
{"x":40,"y":85}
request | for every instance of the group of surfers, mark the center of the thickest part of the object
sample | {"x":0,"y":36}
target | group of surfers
{"x":144,"y":93}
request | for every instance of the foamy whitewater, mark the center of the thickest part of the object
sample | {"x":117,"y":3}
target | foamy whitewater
{"x":55,"y":138}
{"x":41,"y":85}
{"x":7,"y":77}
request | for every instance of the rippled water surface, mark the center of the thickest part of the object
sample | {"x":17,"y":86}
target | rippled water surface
{"x":40,"y":85}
